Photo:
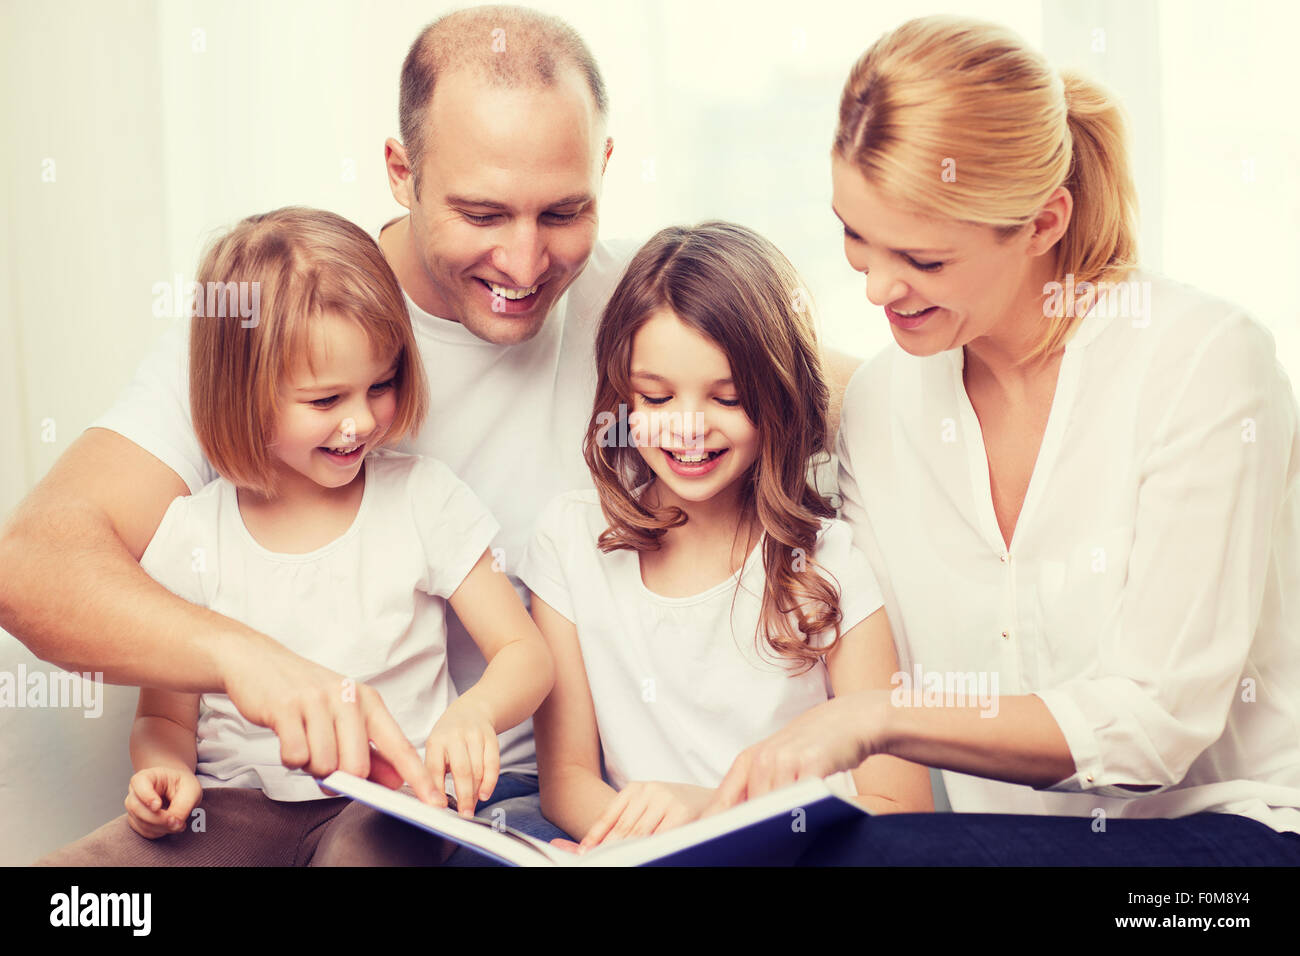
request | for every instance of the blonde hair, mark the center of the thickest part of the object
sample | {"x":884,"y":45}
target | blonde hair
{"x":306,"y":263}
{"x":947,"y":94}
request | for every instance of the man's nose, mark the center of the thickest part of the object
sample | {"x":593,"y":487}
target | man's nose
{"x":522,"y":257}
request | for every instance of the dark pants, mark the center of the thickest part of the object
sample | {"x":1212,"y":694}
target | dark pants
{"x":997,"y":839}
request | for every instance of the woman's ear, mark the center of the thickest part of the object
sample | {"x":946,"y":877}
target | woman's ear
{"x":1051,"y":222}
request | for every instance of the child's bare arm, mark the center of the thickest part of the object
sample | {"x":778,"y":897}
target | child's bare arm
{"x":574,"y":795}
{"x":863,"y":659}
{"x":163,"y":734}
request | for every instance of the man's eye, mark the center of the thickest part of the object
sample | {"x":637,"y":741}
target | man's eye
{"x":478,"y":220}
{"x":562,"y":217}
{"x":655,"y":401}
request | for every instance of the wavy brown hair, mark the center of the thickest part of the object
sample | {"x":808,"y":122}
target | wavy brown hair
{"x":737,"y":289}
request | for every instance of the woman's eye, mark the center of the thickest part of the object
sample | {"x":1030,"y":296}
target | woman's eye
{"x":926,"y":266}
{"x":655,"y":401}
{"x":850,"y":234}
{"x":729,"y":402}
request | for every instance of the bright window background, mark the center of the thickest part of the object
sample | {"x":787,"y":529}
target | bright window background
{"x":166,"y":120}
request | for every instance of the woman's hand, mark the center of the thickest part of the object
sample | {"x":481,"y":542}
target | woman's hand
{"x":159,"y":800}
{"x":834,"y":736}
{"x":643,"y":808}
{"x":464,"y":742}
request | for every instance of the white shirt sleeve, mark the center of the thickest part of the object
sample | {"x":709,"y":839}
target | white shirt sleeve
{"x":848,"y":569}
{"x":542,"y":569}
{"x":454,"y":525}
{"x":1211,"y":487}
{"x":179,"y":558}
{"x":154,"y":410}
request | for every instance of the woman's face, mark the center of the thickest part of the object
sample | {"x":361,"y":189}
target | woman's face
{"x":942,"y":283}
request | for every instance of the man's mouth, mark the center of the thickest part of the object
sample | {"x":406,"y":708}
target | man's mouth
{"x":509,"y":292}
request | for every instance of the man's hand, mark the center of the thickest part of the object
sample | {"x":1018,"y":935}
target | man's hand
{"x":325,"y":722}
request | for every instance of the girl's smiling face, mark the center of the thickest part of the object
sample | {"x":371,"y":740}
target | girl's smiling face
{"x":348,"y":404}
{"x":952,"y":282}
{"x":688,"y":405}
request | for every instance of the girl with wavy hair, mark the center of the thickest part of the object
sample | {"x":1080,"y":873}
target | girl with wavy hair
{"x":703,"y":594}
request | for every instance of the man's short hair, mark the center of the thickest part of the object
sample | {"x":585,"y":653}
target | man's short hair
{"x":505,"y":45}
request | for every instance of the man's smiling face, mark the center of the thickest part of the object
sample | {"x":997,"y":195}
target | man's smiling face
{"x":506,"y":215}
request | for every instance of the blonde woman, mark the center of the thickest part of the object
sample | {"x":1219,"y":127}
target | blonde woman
{"x":1077,"y":483}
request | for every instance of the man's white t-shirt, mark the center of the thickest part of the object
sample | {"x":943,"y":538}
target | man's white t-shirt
{"x":1150,"y":595}
{"x":369,"y":605}
{"x":508,"y":420}
{"x":679,"y":684}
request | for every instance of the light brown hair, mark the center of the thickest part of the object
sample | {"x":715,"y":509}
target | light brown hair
{"x":737,"y":289}
{"x":974,"y":95}
{"x":306,"y":262}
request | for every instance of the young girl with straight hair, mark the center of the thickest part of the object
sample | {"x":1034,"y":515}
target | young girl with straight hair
{"x":703,"y":594}
{"x":319,"y":534}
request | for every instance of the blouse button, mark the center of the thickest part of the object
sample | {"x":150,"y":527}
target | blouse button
{"x":1004,"y":558}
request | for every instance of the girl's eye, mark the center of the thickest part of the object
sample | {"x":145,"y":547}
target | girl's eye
{"x":383,"y":386}
{"x":655,"y":401}
{"x":729,"y":402}
{"x":324,"y":402}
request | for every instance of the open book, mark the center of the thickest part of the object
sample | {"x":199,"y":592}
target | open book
{"x":772,"y":830}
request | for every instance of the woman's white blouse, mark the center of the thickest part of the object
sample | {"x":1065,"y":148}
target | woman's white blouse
{"x":1151,"y":593}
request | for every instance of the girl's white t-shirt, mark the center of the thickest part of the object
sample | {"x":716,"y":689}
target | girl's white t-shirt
{"x":370,"y":605}
{"x":679,"y":685}
{"x":1150,"y":595}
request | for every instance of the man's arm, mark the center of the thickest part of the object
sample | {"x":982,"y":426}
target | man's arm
{"x":72,"y":590}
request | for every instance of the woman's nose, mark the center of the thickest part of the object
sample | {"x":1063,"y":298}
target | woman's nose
{"x":883,"y":286}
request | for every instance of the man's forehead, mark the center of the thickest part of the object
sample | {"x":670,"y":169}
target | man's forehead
{"x":512,"y":146}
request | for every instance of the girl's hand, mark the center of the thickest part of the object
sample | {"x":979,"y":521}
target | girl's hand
{"x":643,"y":808}
{"x":159,"y":801}
{"x":464,"y":742}
{"x":834,"y":736}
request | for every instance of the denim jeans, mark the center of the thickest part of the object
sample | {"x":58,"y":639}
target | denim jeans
{"x":997,"y":839}
{"x":517,"y":804}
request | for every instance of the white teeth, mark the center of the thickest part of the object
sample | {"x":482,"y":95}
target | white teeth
{"x":345,"y":451}
{"x":909,"y":315}
{"x":507,"y":293}
{"x":689,"y":459}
